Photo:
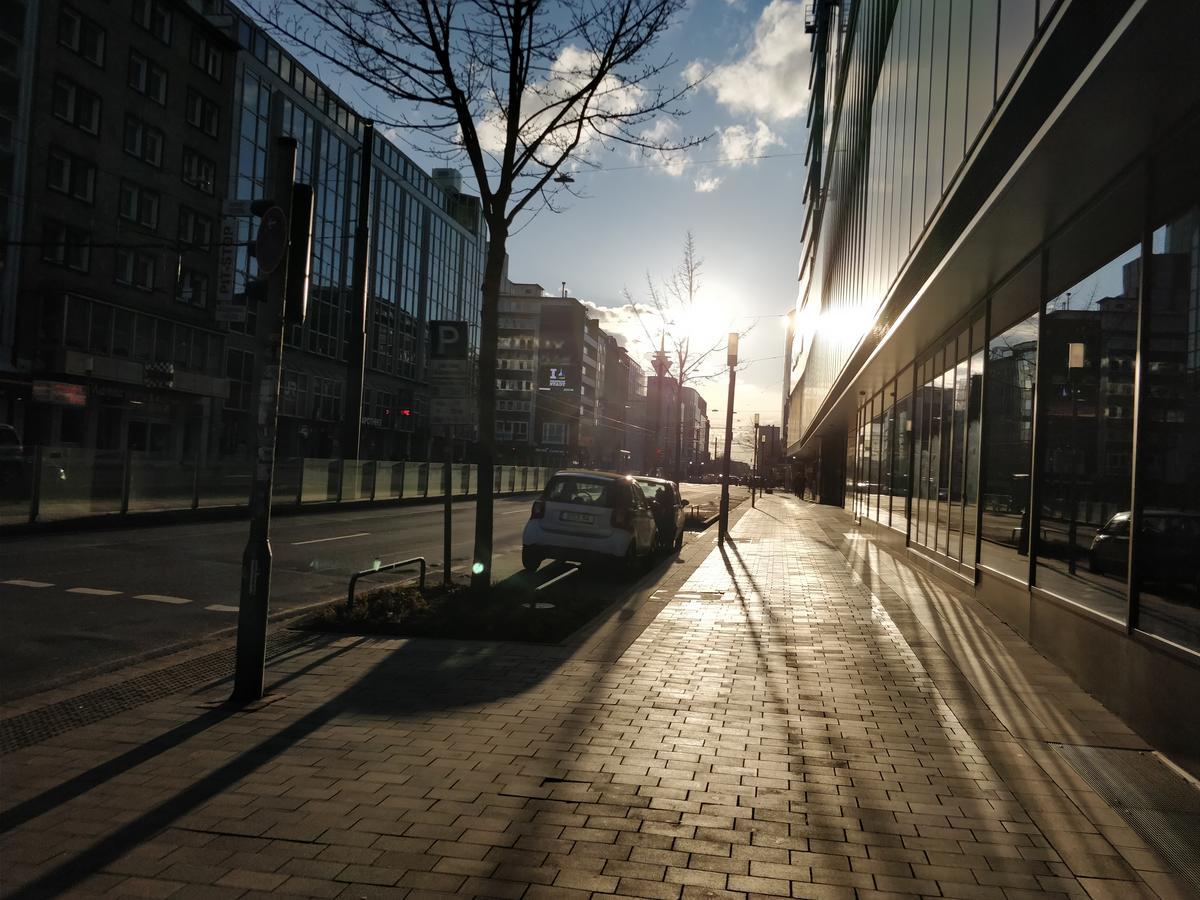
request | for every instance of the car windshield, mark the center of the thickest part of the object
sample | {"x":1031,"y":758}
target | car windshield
{"x":582,"y":490}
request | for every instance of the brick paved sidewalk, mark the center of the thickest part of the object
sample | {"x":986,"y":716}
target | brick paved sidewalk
{"x":785,"y":725}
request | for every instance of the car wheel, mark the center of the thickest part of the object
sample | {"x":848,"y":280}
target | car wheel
{"x":629,"y":566}
{"x":530,"y":560}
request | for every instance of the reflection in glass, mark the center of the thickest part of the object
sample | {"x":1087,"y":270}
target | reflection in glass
{"x":1089,"y":343}
{"x":1168,"y":542}
{"x":971,"y":476}
{"x":981,"y":84}
{"x":959,"y":457}
{"x":885,"y":458}
{"x":1008,"y":414}
{"x":902,"y":441}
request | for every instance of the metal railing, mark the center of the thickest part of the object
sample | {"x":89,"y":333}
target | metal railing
{"x":49,"y":484}
{"x":419,"y":560}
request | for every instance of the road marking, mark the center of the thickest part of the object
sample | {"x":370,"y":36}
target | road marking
{"x":162,"y":598}
{"x":95,"y":592}
{"x":21,"y":582}
{"x":221,"y":607}
{"x":340,"y":537}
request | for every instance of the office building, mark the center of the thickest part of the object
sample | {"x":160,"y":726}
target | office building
{"x":679,"y":432}
{"x":995,"y":364}
{"x":516,"y":370}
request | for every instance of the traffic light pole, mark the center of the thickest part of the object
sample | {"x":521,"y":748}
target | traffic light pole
{"x":723,"y":518}
{"x":256,"y":560}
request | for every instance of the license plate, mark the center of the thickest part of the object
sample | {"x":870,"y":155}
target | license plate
{"x":585,"y":518}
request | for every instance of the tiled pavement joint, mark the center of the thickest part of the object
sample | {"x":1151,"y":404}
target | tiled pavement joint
{"x":761,"y":723}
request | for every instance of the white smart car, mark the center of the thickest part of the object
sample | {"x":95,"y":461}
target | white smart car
{"x":589,"y":517}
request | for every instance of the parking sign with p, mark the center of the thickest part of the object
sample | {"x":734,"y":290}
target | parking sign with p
{"x":448,"y":339}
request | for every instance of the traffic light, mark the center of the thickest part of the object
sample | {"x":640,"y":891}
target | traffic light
{"x":280,"y":241}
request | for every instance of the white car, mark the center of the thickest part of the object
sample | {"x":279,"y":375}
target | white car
{"x":589,"y":517}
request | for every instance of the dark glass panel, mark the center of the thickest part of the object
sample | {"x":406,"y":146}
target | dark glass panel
{"x":885,"y":459}
{"x":981,"y":85}
{"x":1008,"y":437}
{"x":1168,"y":542}
{"x":937,"y":425}
{"x":959,"y":459}
{"x":971,"y":476}
{"x":1089,"y":339}
{"x":924,"y":67}
{"x":901,"y":446}
{"x":945,"y":501}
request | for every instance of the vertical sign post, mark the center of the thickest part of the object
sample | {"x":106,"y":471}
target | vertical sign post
{"x":449,"y":343}
{"x":723,"y":524}
{"x":250,"y":657}
{"x":754,"y":474}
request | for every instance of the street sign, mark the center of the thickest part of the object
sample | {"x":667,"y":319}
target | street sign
{"x":448,"y":339}
{"x":226,"y":261}
{"x":270,"y":243}
{"x":237,"y":207}
{"x":230,"y":312}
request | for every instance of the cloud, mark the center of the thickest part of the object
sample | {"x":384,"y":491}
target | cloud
{"x":572,"y":69}
{"x":623,"y":324}
{"x":771,"y":78}
{"x":663,"y":130}
{"x":706,"y":185}
{"x":739,"y":143}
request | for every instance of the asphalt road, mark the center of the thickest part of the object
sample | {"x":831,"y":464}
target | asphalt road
{"x":74,"y":602}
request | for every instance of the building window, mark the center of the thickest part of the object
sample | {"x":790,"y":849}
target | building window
{"x":192,"y":287}
{"x":195,"y":230}
{"x":137,"y":204}
{"x":199,"y":171}
{"x":147,"y":77}
{"x":76,"y":105}
{"x":154,"y":17}
{"x":554,"y":433}
{"x":65,"y":246}
{"x":205,"y":56}
{"x":327,"y":399}
{"x":143,"y":141}
{"x":201,"y":113}
{"x":239,"y":369}
{"x":136,"y":269}
{"x":1088,"y":343}
{"x":82,"y":35}
{"x":71,"y":175}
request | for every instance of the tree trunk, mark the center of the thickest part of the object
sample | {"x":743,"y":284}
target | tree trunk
{"x":493,"y":273}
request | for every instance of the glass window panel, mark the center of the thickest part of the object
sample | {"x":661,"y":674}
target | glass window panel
{"x":1010,"y":375}
{"x":1168,"y":542}
{"x":956,"y":87}
{"x":908,"y":132}
{"x":971,"y":476}
{"x":1089,"y":341}
{"x":946,"y":396}
{"x":885,"y":460}
{"x":925,"y":399}
{"x":1016,"y":34}
{"x":958,"y":460}
{"x":981,"y":83}
{"x":936,"y":406}
{"x":901,"y":444}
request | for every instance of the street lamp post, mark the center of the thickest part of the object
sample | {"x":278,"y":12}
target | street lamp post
{"x":723,"y":528}
{"x":754,"y":470}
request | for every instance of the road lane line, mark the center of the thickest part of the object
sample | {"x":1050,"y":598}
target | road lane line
{"x":221,"y":607}
{"x":95,"y":592}
{"x":162,"y":598}
{"x":340,"y":537}
{"x":21,"y":582}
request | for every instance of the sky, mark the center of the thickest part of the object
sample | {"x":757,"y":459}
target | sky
{"x":739,"y":194}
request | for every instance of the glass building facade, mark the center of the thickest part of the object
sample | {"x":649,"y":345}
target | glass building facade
{"x":426,"y":246}
{"x":996,"y":360}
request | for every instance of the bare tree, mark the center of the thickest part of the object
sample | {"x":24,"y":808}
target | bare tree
{"x":667,"y":321}
{"x":517,"y":87}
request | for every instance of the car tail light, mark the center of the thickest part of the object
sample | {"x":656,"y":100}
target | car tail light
{"x":539,"y":509}
{"x":621,"y":519}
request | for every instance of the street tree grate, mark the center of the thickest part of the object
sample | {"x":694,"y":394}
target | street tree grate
{"x":202,"y":673}
{"x":1158,"y":803}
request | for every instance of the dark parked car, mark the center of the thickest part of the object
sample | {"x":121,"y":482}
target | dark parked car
{"x":670,"y":511}
{"x":1169,"y":547}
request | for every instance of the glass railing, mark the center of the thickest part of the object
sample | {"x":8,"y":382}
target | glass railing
{"x":51,"y":484}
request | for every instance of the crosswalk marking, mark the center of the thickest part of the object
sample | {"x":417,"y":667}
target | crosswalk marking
{"x":95,"y":592}
{"x":162,"y":598}
{"x":221,"y":607}
{"x":21,"y":582}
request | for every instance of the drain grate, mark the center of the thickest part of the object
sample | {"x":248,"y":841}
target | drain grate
{"x":1157,"y":802}
{"x":37,"y":725}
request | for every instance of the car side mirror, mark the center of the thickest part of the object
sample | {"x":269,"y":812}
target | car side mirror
{"x":682,"y":502}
